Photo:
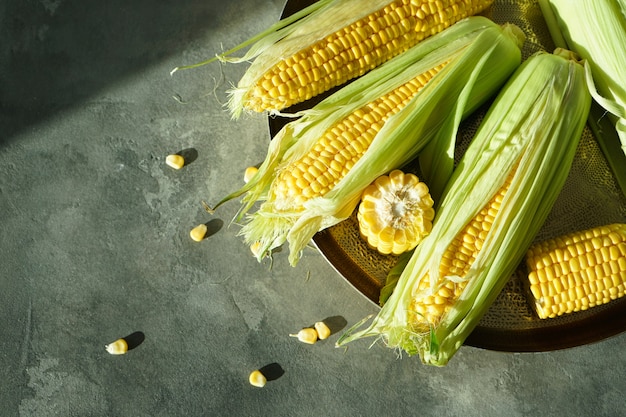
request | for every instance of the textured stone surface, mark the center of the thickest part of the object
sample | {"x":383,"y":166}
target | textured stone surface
{"x":95,"y":246}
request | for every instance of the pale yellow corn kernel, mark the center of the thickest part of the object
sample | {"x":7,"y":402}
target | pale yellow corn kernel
{"x":249,"y":173}
{"x":255,"y":248}
{"x":119,"y":347}
{"x":307,"y":335}
{"x":323,"y":331}
{"x":257,"y":379}
{"x":175,"y":161}
{"x":199,"y":232}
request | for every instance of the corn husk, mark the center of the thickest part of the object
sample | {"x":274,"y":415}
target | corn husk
{"x":481,"y":56}
{"x":287,"y":37}
{"x":596,"y":31}
{"x":533,"y":127}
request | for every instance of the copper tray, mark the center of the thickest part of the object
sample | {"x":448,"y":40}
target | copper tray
{"x":510,"y":325}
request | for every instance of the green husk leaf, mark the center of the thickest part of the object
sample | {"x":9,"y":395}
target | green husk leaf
{"x":534,"y":127}
{"x":596,"y":31}
{"x":393,"y":276}
{"x":263,"y":40}
{"x":482,"y":55}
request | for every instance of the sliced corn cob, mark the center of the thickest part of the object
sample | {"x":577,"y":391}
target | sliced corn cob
{"x":318,"y":165}
{"x":491,"y":209}
{"x":395,"y":213}
{"x":336,"y":42}
{"x":577,"y":271}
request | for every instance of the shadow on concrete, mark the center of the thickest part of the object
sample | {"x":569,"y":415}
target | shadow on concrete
{"x":213,"y":226}
{"x":55,"y":54}
{"x":134,"y":339}
{"x":272,"y":371}
{"x":189,"y":154}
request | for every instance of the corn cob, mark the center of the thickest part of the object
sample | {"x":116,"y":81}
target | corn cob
{"x":331,"y":42}
{"x":341,"y":147}
{"x":348,"y":52}
{"x":318,"y":165}
{"x":456,"y":261}
{"x":577,"y":271}
{"x":479,"y":237}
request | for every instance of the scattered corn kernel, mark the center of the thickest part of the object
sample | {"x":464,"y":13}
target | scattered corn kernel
{"x":257,"y":379}
{"x":119,"y":347}
{"x":323,"y":332}
{"x":199,"y":232}
{"x":249,"y":173}
{"x":306,"y":335}
{"x":175,"y":161}
{"x":255,"y":248}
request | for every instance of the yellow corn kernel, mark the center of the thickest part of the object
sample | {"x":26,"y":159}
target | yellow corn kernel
{"x":595,"y":274}
{"x":344,"y":143}
{"x":119,"y":347}
{"x":199,"y":232}
{"x":357,"y":48}
{"x":307,"y":335}
{"x":322,"y":329}
{"x":257,"y":379}
{"x":249,"y":173}
{"x":175,"y":161}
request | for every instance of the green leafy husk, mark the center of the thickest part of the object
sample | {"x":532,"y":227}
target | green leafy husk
{"x":596,"y":31}
{"x":481,"y":56}
{"x":534,"y":127}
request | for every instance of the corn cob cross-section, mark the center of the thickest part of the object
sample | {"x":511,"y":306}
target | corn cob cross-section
{"x":338,"y":41}
{"x":578,"y":271}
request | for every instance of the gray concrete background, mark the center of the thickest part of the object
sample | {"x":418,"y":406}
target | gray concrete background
{"x":94,"y":245}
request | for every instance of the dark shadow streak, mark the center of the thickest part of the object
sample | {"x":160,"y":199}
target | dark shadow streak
{"x":213,"y":226}
{"x":53,"y":59}
{"x":189,"y":154}
{"x":135,"y":339}
{"x":272,"y":371}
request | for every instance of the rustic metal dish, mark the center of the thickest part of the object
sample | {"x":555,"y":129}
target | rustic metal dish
{"x":591,"y":197}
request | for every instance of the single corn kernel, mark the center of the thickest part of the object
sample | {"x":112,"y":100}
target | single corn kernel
{"x":249,"y":173}
{"x":175,"y":161}
{"x":307,"y":335}
{"x":323,"y":332}
{"x":199,"y":232}
{"x":119,"y":347}
{"x":257,"y":379}
{"x":255,"y":248}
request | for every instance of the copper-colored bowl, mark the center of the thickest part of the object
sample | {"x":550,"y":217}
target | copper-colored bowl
{"x":510,"y":324}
